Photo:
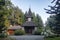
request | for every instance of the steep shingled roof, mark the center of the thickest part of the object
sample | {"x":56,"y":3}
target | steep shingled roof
{"x":28,"y":14}
{"x":29,"y":24}
{"x":14,"y":27}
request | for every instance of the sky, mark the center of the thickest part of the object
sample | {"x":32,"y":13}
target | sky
{"x":37,"y":6}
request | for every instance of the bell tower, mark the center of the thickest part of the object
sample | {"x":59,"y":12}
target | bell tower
{"x":29,"y":25}
{"x":28,"y":15}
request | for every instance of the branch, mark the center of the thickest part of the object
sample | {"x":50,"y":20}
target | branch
{"x":52,"y":1}
{"x":52,"y":8}
{"x":46,"y":9}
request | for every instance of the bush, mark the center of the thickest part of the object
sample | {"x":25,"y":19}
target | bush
{"x":37,"y":32}
{"x":19,"y":32}
{"x":3,"y":35}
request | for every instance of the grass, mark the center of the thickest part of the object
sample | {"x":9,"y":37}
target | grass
{"x":7,"y":38}
{"x":55,"y":38}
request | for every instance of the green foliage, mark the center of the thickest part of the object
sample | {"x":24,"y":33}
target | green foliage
{"x":3,"y":35}
{"x":37,"y":19}
{"x":54,"y":22}
{"x":3,"y":17}
{"x":16,"y":16}
{"x":8,"y":38}
{"x":19,"y":32}
{"x":2,"y":2}
{"x":50,"y":24}
{"x":55,"y":38}
{"x":37,"y":32}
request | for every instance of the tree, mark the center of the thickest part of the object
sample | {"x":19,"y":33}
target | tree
{"x":39,"y":21}
{"x":17,"y":16}
{"x":34,"y":17}
{"x":56,"y":11}
{"x":50,"y":24}
{"x":2,"y":2}
{"x":3,"y":17}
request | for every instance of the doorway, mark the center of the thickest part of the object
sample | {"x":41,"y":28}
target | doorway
{"x":29,"y":30}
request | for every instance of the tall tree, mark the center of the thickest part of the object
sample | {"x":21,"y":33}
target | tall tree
{"x":50,"y":24}
{"x":2,"y":2}
{"x":39,"y":21}
{"x":34,"y":17}
{"x":55,"y":10}
{"x":3,"y":16}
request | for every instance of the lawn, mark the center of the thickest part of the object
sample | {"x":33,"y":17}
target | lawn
{"x":55,"y":38}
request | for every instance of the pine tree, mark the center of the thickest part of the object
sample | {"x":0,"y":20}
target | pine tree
{"x":39,"y":21}
{"x":2,"y":2}
{"x":55,"y":10}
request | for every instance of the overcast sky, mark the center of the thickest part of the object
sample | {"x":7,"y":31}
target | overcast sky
{"x":36,"y":6}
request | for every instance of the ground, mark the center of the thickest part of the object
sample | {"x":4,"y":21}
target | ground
{"x":28,"y":37}
{"x":55,"y":38}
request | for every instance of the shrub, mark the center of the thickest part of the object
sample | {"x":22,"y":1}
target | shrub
{"x":3,"y":35}
{"x":37,"y":32}
{"x":19,"y":32}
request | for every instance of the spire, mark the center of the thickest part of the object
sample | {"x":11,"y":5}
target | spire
{"x":29,"y":12}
